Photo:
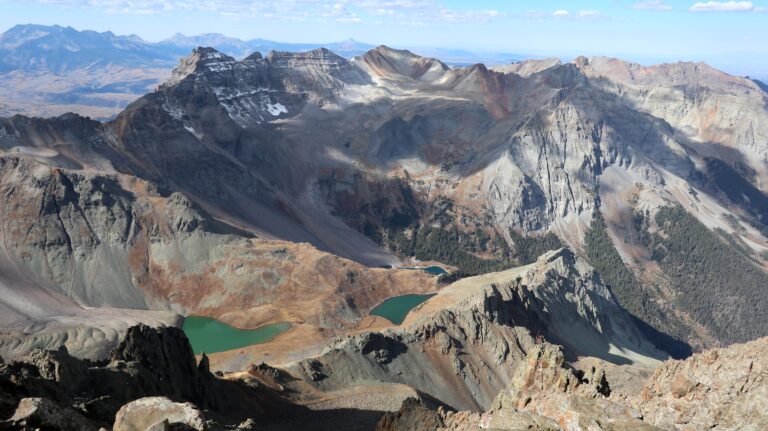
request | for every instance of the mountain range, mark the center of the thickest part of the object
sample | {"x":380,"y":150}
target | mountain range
{"x":596,"y":219}
{"x":56,"y":48}
{"x":50,"y":70}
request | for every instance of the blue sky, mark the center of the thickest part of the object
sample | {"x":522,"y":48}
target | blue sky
{"x":732,"y":35}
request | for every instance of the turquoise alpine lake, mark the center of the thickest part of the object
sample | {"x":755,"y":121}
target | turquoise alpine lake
{"x":435,"y":270}
{"x":396,"y":308}
{"x":208,"y":335}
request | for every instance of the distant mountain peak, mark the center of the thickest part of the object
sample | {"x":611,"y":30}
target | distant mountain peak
{"x":201,"y":58}
{"x":529,"y":67}
{"x":181,"y":38}
{"x":351,"y":43}
{"x":206,"y":56}
{"x":384,"y":49}
{"x":679,"y":73}
{"x":176,"y":36}
{"x":207,"y":52}
{"x":389,"y":62}
{"x":22,"y":33}
{"x":404,"y":54}
{"x":254,"y":56}
{"x":312,"y":53}
{"x":57,"y":49}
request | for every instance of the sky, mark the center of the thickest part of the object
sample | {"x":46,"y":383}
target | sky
{"x":732,"y":35}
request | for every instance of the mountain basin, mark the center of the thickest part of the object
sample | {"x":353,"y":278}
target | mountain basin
{"x":396,"y":308}
{"x":208,"y":335}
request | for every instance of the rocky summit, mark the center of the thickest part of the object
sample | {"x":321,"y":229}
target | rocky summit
{"x":587,"y":242}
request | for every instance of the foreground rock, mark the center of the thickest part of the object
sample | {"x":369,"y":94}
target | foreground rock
{"x":153,"y":382}
{"x":41,"y":413}
{"x":413,"y":415}
{"x":544,"y":394}
{"x":720,"y":389}
{"x":51,"y":387}
{"x":724,"y":389}
{"x":158,"y":413}
{"x":545,"y":387}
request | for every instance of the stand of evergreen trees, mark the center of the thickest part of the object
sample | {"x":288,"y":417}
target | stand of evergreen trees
{"x":453,"y":247}
{"x":464,"y":250}
{"x":717,"y":283}
{"x":528,"y":248}
{"x":663,"y":330}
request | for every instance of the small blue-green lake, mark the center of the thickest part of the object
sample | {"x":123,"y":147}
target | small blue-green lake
{"x":396,"y":308}
{"x":435,"y":270}
{"x":208,"y":335}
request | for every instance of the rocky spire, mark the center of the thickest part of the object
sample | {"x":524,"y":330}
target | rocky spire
{"x":201,"y":58}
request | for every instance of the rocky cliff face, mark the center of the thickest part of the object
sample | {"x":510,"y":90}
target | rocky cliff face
{"x":152,"y":378}
{"x":463,"y":345}
{"x":715,"y":389}
{"x":353,"y":157}
{"x":259,"y":89}
{"x":146,"y":362}
{"x":152,"y":381}
{"x":74,"y":239}
{"x":547,"y":393}
{"x":718,"y":389}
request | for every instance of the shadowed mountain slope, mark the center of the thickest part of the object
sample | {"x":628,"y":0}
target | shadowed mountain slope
{"x":357,"y":157}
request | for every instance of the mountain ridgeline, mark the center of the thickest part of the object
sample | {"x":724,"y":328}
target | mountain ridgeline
{"x":380,"y":159}
{"x":58,"y":49}
{"x":47,"y":71}
{"x":614,"y":209}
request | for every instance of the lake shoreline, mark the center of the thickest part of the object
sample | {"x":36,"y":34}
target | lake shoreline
{"x":210,"y":335}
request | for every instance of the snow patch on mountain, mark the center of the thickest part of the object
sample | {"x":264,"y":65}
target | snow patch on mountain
{"x":192,"y":130}
{"x":35,"y":152}
{"x":221,"y":66}
{"x":249,"y":106}
{"x":174,"y":111}
{"x":229,"y":93}
{"x":276,"y":109}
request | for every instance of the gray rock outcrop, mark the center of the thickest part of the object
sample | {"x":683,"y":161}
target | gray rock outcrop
{"x":158,"y":414}
{"x":147,"y":362}
{"x":720,"y":389}
{"x":41,"y":413}
{"x":465,"y":353}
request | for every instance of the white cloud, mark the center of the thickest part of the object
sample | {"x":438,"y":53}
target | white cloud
{"x":589,"y":14}
{"x":652,"y":5}
{"x":339,"y":13}
{"x":565,"y":14}
{"x":718,"y":6}
{"x":345,"y":11}
{"x":422,"y":11}
{"x":476,"y":15}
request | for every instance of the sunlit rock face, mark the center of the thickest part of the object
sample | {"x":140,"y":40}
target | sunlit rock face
{"x":312,"y":148}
